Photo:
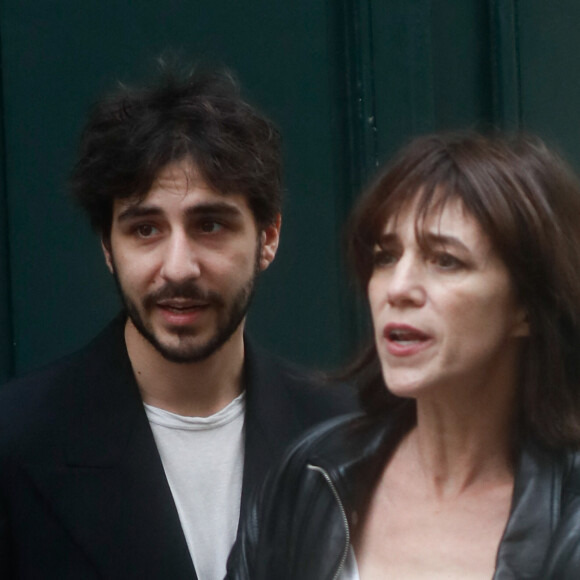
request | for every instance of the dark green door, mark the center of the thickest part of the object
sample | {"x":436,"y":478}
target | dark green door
{"x":346,"y":80}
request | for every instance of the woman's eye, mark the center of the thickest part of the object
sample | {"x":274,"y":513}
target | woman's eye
{"x":382,"y":257}
{"x":446,"y":261}
{"x":146,"y":230}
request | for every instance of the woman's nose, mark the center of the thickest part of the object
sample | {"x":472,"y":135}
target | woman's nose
{"x":406,"y":285}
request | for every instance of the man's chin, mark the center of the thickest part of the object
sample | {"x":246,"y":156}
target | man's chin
{"x":191,"y":351}
{"x":188,"y":343}
{"x":184,"y":357}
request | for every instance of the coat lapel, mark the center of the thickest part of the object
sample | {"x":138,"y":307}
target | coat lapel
{"x":282,"y":401}
{"x":110,"y":491}
{"x":271,"y":420}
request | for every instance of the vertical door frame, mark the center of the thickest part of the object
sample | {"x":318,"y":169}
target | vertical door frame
{"x":355,"y":135}
{"x":506,"y":64}
{"x":6,"y":320}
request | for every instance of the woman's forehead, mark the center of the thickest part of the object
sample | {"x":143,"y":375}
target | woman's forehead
{"x":443,"y":217}
{"x":424,"y":207}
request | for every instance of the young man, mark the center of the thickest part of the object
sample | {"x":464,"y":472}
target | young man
{"x":134,"y":457}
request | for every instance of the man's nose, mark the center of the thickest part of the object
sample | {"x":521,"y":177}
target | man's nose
{"x":180,"y":258}
{"x":406,"y":285}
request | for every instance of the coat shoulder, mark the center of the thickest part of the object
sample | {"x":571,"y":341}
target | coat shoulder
{"x":36,"y":407}
{"x":316,"y":398}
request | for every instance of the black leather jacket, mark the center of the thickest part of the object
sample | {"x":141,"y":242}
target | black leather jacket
{"x":300,"y":528}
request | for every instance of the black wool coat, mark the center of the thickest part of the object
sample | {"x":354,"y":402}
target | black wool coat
{"x":83,"y":493}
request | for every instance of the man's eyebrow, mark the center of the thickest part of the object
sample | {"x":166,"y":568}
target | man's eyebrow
{"x":214,"y":208}
{"x":217,"y":208}
{"x":138,"y":211}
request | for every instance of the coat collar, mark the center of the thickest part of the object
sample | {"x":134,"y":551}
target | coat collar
{"x":110,"y":488}
{"x":271,"y":419}
{"x":110,"y":405}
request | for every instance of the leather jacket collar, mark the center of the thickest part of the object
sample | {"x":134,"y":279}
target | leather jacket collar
{"x":356,"y":453}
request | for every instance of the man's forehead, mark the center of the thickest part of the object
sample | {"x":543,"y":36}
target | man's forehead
{"x":181,"y":182}
{"x":180,"y":175}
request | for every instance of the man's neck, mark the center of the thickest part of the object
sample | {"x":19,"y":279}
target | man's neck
{"x":196,"y":389}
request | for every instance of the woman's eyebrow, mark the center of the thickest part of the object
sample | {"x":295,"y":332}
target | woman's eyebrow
{"x":387,"y":238}
{"x":445,"y":240}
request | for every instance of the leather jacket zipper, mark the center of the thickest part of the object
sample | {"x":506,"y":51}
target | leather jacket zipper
{"x":324,"y":473}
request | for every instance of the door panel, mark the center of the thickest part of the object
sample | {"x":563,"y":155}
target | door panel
{"x":347,"y":81}
{"x":60,"y":55}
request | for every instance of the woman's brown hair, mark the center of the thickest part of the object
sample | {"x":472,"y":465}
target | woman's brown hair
{"x":527,"y":201}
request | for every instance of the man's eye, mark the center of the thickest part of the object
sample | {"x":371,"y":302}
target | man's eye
{"x":210,"y":227}
{"x":146,"y":230}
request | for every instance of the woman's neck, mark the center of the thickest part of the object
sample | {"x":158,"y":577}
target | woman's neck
{"x":460,"y":444}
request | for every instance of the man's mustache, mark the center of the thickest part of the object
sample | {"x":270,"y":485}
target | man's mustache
{"x":186,"y":290}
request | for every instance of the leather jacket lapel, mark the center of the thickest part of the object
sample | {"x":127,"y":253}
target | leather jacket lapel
{"x":534,"y":514}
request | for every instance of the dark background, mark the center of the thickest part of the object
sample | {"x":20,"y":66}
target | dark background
{"x":347,"y":81}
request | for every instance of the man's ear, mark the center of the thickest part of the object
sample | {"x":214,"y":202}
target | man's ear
{"x":270,"y":238}
{"x":106,"y":245}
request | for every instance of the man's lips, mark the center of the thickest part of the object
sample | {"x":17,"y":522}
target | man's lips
{"x":181,"y":312}
{"x":181,"y":304}
{"x":183,"y":296}
{"x":405,"y":340}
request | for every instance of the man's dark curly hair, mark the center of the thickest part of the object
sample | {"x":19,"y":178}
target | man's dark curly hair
{"x":133,"y":134}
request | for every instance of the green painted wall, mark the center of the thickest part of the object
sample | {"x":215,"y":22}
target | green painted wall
{"x":346,"y":80}
{"x":58,"y":55}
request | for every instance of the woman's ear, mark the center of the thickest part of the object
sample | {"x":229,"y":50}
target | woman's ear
{"x":521,"y":326}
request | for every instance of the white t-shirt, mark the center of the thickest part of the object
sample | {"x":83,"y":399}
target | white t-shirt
{"x":203,"y":458}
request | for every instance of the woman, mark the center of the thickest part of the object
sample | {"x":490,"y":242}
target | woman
{"x":463,"y":464}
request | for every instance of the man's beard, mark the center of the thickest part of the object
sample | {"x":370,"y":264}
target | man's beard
{"x":234,"y":313}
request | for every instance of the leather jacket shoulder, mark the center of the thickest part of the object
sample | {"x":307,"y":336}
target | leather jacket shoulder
{"x":300,"y":526}
{"x":563,"y":558}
